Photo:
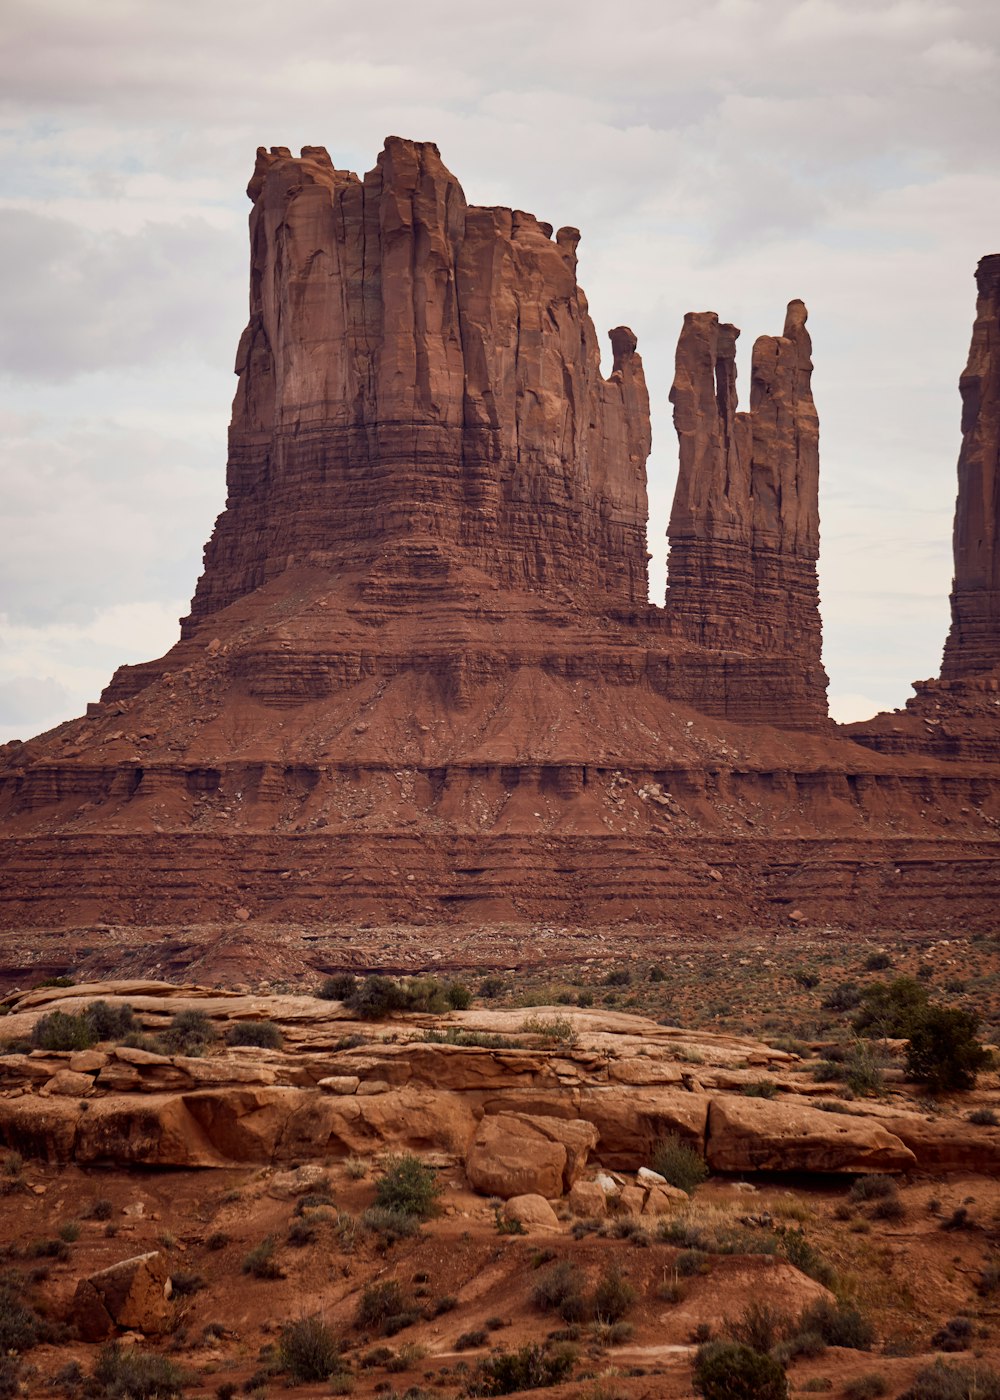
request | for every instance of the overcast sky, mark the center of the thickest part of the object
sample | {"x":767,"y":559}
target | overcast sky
{"x":716,"y":154}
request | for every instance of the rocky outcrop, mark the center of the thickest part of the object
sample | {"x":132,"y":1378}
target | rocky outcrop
{"x":973,"y":644}
{"x":421,"y":376}
{"x":132,"y":1295}
{"x":757,"y":1135}
{"x":520,"y":1154}
{"x":744,"y":527}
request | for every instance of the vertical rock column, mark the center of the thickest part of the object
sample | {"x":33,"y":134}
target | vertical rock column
{"x":744,"y":528}
{"x":973,"y":644}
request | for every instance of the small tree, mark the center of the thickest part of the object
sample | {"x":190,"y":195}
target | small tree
{"x":680,"y":1164}
{"x":943,"y":1051}
{"x":891,"y":1010}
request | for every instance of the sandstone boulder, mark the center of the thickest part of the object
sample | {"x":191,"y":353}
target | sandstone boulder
{"x":532,"y":1211}
{"x":133,"y":1294}
{"x":761,"y":1135}
{"x":587,"y":1200}
{"x":508,"y":1159}
{"x":664,"y":1200}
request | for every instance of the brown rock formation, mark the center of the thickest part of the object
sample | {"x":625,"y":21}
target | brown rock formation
{"x":973,"y":644}
{"x":744,"y":528}
{"x":421,"y":376}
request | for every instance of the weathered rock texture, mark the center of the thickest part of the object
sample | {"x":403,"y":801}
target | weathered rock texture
{"x":973,"y":644}
{"x":957,"y":716}
{"x":421,"y":375}
{"x":420,"y":680}
{"x":744,"y":528}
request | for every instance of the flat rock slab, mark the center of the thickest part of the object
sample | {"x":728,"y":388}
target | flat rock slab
{"x":759,"y":1135}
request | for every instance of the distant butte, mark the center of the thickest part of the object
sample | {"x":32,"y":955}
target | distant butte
{"x":420,"y":679}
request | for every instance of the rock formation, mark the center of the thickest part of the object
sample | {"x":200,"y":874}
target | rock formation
{"x":422,"y":377}
{"x":973,"y":644}
{"x":744,"y":528}
{"x":420,"y":679}
{"x":956,"y":715}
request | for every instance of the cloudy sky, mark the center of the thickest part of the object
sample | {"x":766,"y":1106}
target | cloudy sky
{"x":717,"y":154}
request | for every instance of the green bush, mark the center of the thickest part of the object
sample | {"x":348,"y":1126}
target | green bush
{"x":20,"y":1326}
{"x":189,"y":1033}
{"x":872,"y":1188}
{"x":838,"y":1325}
{"x":955,"y":1335}
{"x":613,"y":1295}
{"x":260,"y":1262}
{"x":263,"y":1034}
{"x":459,"y":996}
{"x":340,"y":987}
{"x":59,"y":1031}
{"x":385,"y":1308}
{"x":680,"y":1164}
{"x":128,"y":1373}
{"x":390,"y":1225}
{"x":759,"y":1327}
{"x":308,"y":1351}
{"x":867,"y":1387}
{"x":844,"y":997}
{"x":378,"y":996}
{"x":891,"y":1010}
{"x":407,"y":1185}
{"x":944,"y":1382}
{"x":558,"y":1290}
{"x":530,"y":1368}
{"x":943,"y":1051}
{"x":110,"y":1022}
{"x":731,"y":1371}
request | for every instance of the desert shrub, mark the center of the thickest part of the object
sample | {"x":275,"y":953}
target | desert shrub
{"x":48,"y":1249}
{"x":959,"y":1219}
{"x":558,"y":1290}
{"x":838,"y":1325}
{"x":618,"y":977}
{"x":476,"y":1338}
{"x":863,"y":1069}
{"x":189,"y":1033}
{"x":260,"y":1262}
{"x":759,"y":1327}
{"x":680,"y":1164}
{"x":817,"y":1385}
{"x":799,"y":1252}
{"x":878,"y":962}
{"x":984,"y":1118}
{"x":761,"y":1089}
{"x":302,"y":1233}
{"x":492,"y":987}
{"x":691,"y":1262}
{"x":61,"y":1031}
{"x":217,"y":1240}
{"x":313,"y":1200}
{"x":128,"y":1373}
{"x":458,"y":995}
{"x":340,"y":987}
{"x":391,"y":1226}
{"x":486,"y":1040}
{"x":20,"y":1326}
{"x":262,"y":1034}
{"x":507,"y":1224}
{"x":731,"y":1371}
{"x":407,"y":1185}
{"x":944,"y":1382}
{"x":943,"y":1051}
{"x":101,"y":1209}
{"x":69,"y":1231}
{"x":867,"y":1387}
{"x":585,"y":998}
{"x":109,"y":1022}
{"x":554,"y":1028}
{"x":989,"y":1279}
{"x":385,"y":1308}
{"x":804,"y":1345}
{"x":872,"y":1188}
{"x":806,"y":978}
{"x":186,"y":1283}
{"x":530,"y":1368}
{"x":613,"y":1295}
{"x":445,"y":1304}
{"x":308,"y":1350}
{"x":955,"y":1335}
{"x":891,"y":1010}
{"x":844,"y":997}
{"x":380,"y":996}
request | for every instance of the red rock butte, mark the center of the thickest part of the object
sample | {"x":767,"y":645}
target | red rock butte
{"x":421,"y":680}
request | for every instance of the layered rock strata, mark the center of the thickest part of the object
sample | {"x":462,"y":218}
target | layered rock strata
{"x":957,"y":716}
{"x":973,"y":644}
{"x":422,"y":375}
{"x":744,"y":527}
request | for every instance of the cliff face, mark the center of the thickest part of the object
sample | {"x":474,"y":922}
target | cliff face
{"x":422,"y":376}
{"x":973,"y":644}
{"x":744,"y":528}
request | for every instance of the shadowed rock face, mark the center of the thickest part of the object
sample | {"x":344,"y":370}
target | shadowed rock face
{"x":973,"y":644}
{"x":744,"y":528}
{"x":422,"y":375}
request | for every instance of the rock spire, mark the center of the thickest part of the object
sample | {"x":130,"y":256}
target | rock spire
{"x":973,"y":644}
{"x":744,"y":527}
{"x":420,"y":378}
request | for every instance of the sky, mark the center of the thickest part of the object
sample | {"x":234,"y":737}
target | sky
{"x":724,"y":155}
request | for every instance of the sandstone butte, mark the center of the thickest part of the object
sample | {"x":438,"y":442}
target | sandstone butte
{"x":420,"y":679}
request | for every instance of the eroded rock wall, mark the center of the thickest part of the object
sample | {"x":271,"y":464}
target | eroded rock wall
{"x":422,"y":376}
{"x":973,"y":644}
{"x":744,"y":527}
